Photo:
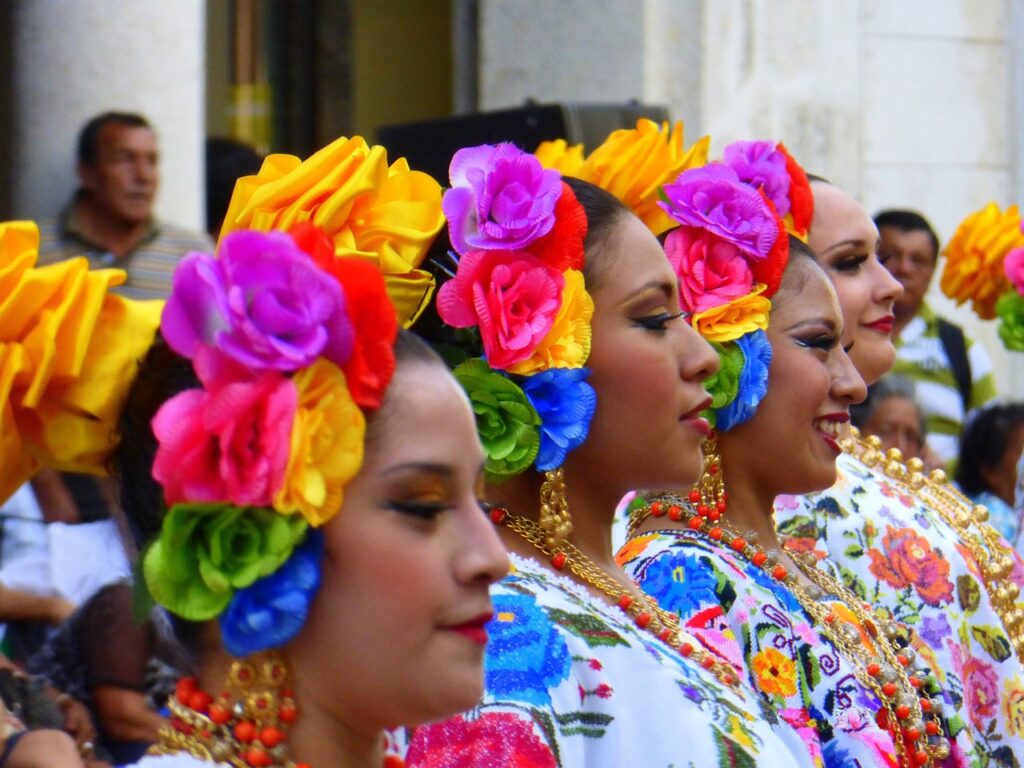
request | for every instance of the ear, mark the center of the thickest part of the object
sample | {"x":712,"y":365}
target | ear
{"x":86,"y":176}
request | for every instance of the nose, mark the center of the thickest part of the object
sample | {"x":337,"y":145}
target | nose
{"x":698,"y":359}
{"x":847,"y":387}
{"x":481,"y":557}
{"x":886,"y":280}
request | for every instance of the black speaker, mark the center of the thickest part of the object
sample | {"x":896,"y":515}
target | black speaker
{"x":428,"y":145}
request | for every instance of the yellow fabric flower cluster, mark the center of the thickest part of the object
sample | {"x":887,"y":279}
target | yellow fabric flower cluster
{"x":69,"y":351}
{"x":974,"y":258}
{"x":633,"y":164}
{"x":388,"y":214}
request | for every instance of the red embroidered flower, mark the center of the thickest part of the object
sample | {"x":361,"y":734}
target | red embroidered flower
{"x":981,"y":689}
{"x":805,"y":545}
{"x":493,"y":738}
{"x":907,"y":559}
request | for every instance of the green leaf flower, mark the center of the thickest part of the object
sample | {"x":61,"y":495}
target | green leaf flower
{"x":1010,"y":310}
{"x":207,"y":551}
{"x":507,"y":423}
{"x":724,"y":384}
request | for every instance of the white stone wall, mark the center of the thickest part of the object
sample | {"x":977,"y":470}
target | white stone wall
{"x":75,"y":58}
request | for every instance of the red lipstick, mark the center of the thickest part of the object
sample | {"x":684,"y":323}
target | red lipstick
{"x":474,"y":629}
{"x":883,"y":324}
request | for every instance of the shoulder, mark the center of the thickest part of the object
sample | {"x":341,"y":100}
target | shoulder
{"x":184,"y":239}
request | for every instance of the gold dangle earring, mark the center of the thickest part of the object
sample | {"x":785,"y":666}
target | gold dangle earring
{"x":554,"y":509}
{"x":708,"y":495}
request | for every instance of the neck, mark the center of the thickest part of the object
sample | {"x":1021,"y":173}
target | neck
{"x":592,"y":510}
{"x":116,"y":235}
{"x":750,"y":503}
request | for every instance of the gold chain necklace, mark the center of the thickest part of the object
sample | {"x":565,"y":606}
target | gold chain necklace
{"x":968,"y":521}
{"x":642,"y":608}
{"x":910,"y":716}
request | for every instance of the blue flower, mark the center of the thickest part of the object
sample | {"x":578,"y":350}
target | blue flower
{"x":680,"y":582}
{"x":565,"y":404}
{"x":526,"y":655}
{"x":272,"y":610}
{"x":757,"y":356}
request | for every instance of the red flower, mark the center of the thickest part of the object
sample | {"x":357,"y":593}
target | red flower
{"x":801,"y":200}
{"x":907,"y":559}
{"x":562,"y":247}
{"x":769,"y":270}
{"x":493,"y":738}
{"x":369,"y":369}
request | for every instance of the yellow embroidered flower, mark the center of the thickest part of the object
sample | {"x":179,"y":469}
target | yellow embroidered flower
{"x":326,"y":444}
{"x":69,"y":350}
{"x":633,"y":164}
{"x":775,"y":672}
{"x":1013,"y":705}
{"x":559,"y":156}
{"x":974,"y":258}
{"x":389,"y":215}
{"x":567,"y":344}
{"x":730,"y":321}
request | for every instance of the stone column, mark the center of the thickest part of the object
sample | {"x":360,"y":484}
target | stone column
{"x":71,"y":59}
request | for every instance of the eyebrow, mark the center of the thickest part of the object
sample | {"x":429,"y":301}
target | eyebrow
{"x":855,"y":242}
{"x":826,"y":321}
{"x":427,"y":467}
{"x":663,"y":286}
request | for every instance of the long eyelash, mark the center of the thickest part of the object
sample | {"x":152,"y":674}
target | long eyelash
{"x":423,"y":510}
{"x":820,"y":342}
{"x":658,"y":322}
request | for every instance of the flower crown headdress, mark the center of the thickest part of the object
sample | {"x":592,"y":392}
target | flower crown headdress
{"x":985,"y":265}
{"x":518,"y":233}
{"x":291,"y":336}
{"x":729,"y":251}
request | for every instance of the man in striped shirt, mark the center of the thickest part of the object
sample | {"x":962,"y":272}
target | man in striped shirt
{"x":110,"y":219}
{"x":951,"y":373}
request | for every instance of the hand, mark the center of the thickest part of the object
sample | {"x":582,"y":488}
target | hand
{"x":60,"y":609}
{"x":77,"y":720}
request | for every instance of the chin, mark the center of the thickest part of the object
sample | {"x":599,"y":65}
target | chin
{"x":454,"y":695}
{"x":874,"y":361}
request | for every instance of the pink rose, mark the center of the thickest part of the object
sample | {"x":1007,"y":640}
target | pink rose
{"x":1013,"y":265}
{"x":712,"y":271}
{"x":228,"y":441}
{"x":512,"y":296}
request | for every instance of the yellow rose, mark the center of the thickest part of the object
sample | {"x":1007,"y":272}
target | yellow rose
{"x":559,"y":156}
{"x":730,"y":321}
{"x":1013,"y":705}
{"x":633,"y":164}
{"x":69,"y":351}
{"x":389,"y":215}
{"x":974,"y":258}
{"x":326,"y":444}
{"x":567,"y":344}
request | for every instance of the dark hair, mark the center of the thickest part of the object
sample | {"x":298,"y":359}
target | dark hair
{"x":227,"y":160}
{"x":89,"y":136}
{"x":985,"y":439}
{"x":908,"y":221}
{"x":603,"y":210}
{"x":802,"y":261}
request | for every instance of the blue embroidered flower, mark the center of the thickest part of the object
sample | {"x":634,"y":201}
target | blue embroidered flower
{"x":679,"y":582}
{"x":273,"y":609}
{"x":757,"y":356}
{"x":526,"y":655}
{"x":565,"y":403}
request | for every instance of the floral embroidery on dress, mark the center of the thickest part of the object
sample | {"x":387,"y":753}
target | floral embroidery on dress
{"x":904,"y":558}
{"x":571,"y":684}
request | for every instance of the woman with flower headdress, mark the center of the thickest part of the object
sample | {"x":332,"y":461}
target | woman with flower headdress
{"x":303,"y":477}
{"x":905,"y":541}
{"x":562,"y":318}
{"x":807,"y":644}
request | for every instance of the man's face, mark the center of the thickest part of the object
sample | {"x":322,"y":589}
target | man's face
{"x":123,"y":181}
{"x":910,"y":257}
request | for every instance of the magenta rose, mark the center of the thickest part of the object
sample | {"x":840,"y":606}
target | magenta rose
{"x":711,"y":271}
{"x":907,"y":559}
{"x":493,"y":738}
{"x":712,"y":197}
{"x":762,"y":166}
{"x":228,"y":441}
{"x":262,"y":302}
{"x":501,"y":198}
{"x":512,"y":296}
{"x":1013,"y":265}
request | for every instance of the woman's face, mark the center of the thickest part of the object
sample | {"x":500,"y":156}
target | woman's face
{"x":396,"y":632}
{"x":646,"y":366}
{"x":846,"y":242}
{"x":792,"y":442}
